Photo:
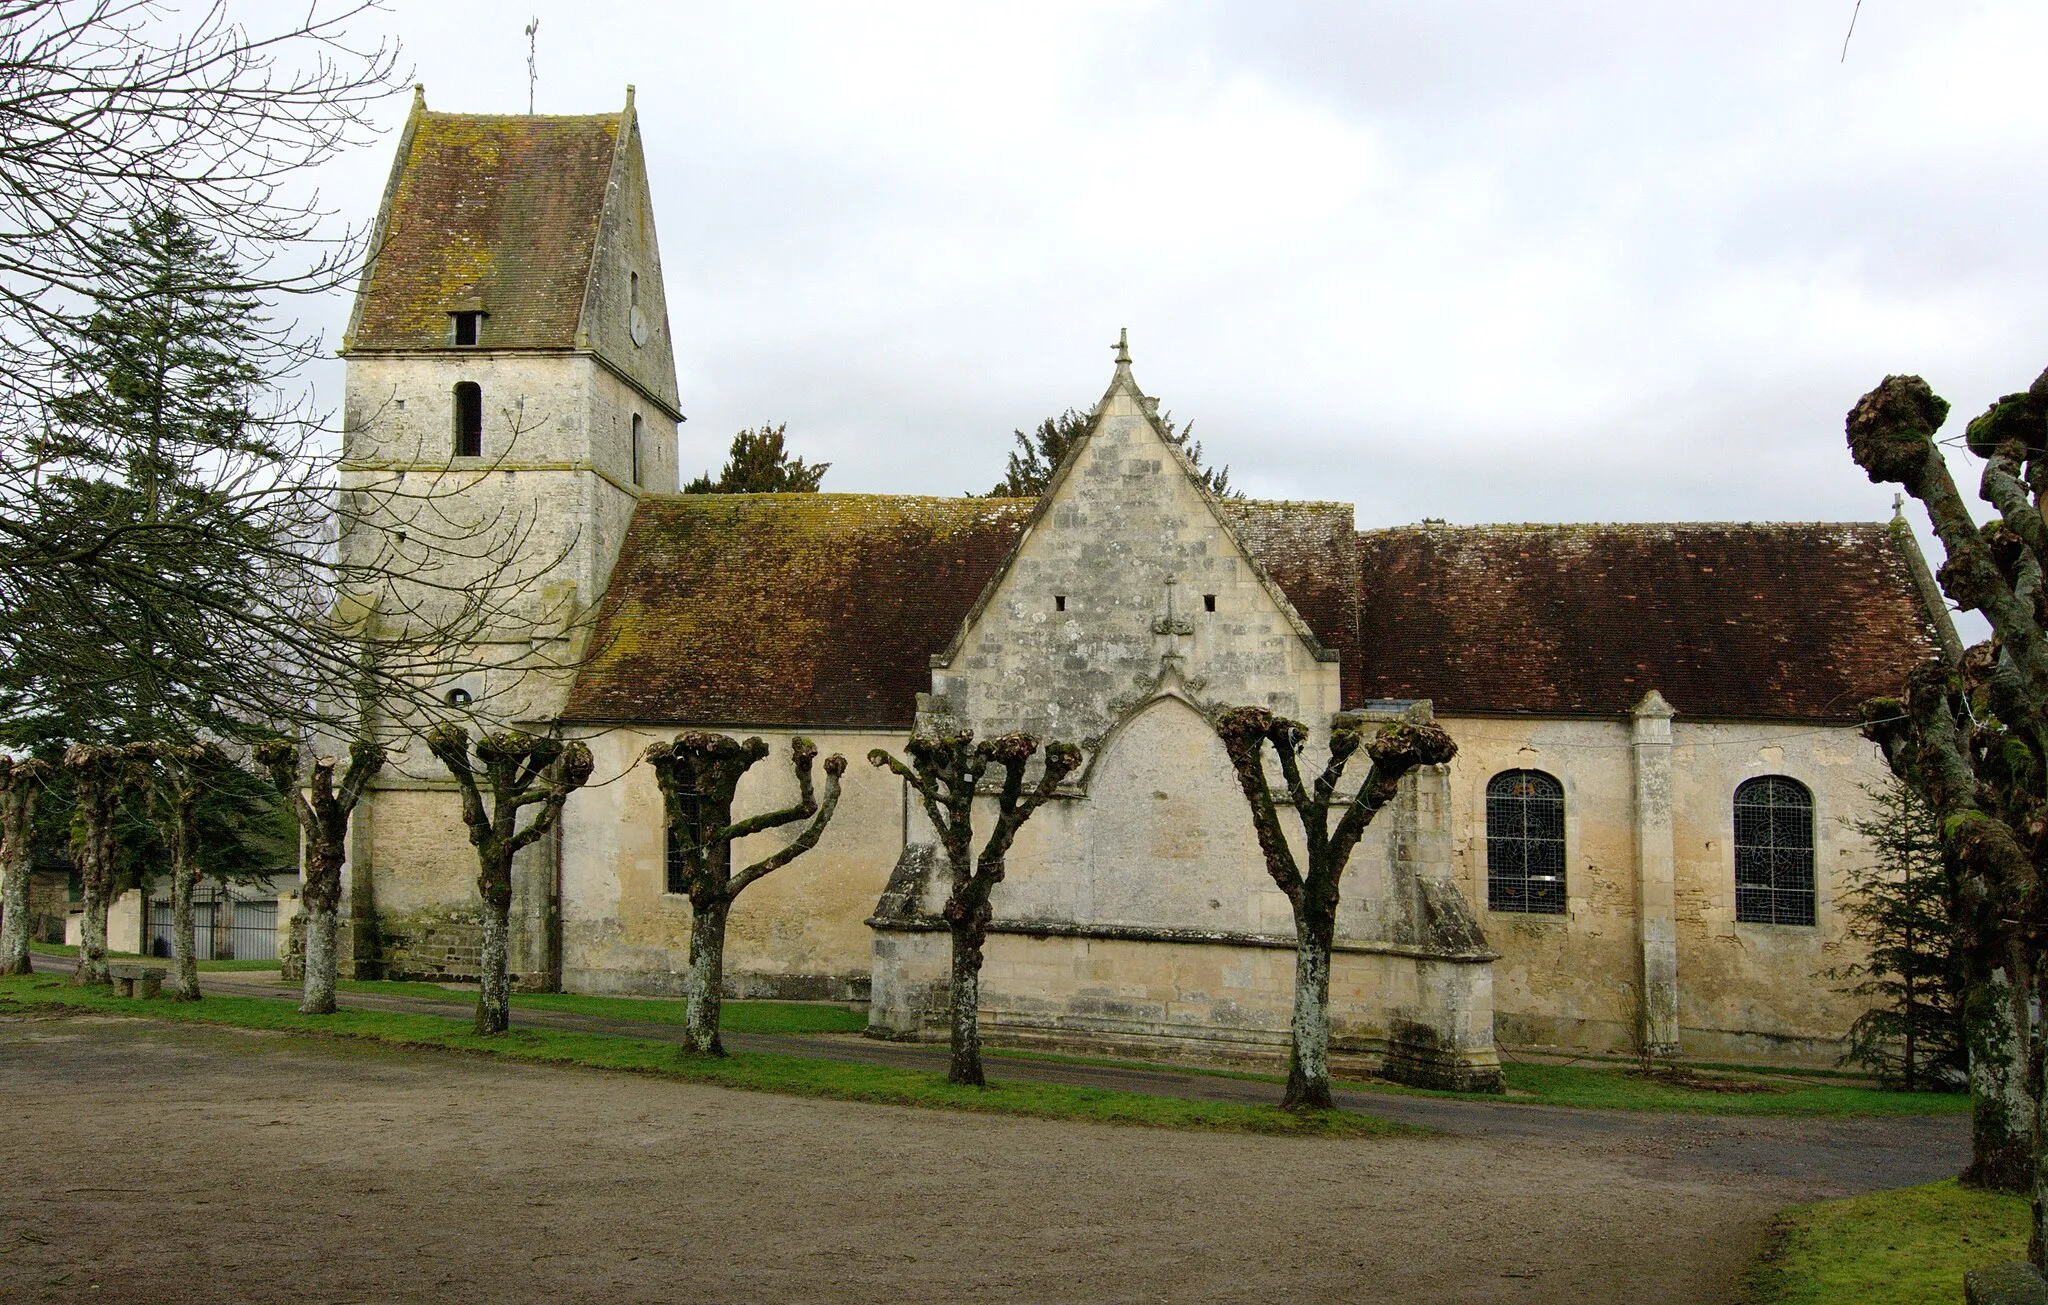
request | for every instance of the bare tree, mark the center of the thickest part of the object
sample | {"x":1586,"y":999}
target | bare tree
{"x":522,"y":770}
{"x":100,"y":775}
{"x":699,"y":773}
{"x":1395,"y":750}
{"x":21,"y":782}
{"x":1972,"y":740}
{"x":323,"y":812}
{"x":171,"y":776}
{"x":946,"y":773}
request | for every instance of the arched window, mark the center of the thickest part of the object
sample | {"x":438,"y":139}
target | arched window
{"x":469,"y":420}
{"x":1774,"y":851}
{"x":1525,"y":843}
{"x":637,"y":427}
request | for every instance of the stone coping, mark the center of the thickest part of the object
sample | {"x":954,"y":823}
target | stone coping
{"x":1160,"y":934}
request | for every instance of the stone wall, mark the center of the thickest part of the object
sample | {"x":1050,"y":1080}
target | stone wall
{"x":1743,"y":990}
{"x":799,"y":933}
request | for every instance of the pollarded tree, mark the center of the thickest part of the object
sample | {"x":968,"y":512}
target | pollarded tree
{"x":1973,"y":741}
{"x":21,"y":783}
{"x":323,"y":812}
{"x":946,"y":773}
{"x":172,"y":778}
{"x":100,"y":776}
{"x":1395,"y":750}
{"x":699,"y":773}
{"x":522,"y":770}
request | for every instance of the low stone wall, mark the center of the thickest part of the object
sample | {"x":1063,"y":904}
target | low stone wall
{"x":1422,"y":1020}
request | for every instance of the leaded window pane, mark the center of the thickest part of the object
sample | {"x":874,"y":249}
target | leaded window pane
{"x":1774,"y":880}
{"x":1525,"y":843}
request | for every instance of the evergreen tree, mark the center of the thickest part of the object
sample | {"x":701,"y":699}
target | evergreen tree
{"x":1912,"y":1038}
{"x":1040,"y":453}
{"x":758,"y":463}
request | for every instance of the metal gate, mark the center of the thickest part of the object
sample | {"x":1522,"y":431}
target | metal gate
{"x":223,"y":930}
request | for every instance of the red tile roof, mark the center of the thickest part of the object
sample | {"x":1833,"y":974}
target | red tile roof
{"x":497,"y":211}
{"x":1763,"y":622}
{"x":824,"y":609}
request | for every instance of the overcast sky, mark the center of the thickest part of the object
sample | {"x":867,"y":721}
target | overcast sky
{"x":1489,"y":262}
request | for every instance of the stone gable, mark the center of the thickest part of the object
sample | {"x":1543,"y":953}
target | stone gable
{"x":1128,"y":582}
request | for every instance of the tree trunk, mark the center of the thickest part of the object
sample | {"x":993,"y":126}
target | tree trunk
{"x":184,"y":961}
{"x":14,"y":930}
{"x":965,"y":1065}
{"x":92,"y":934}
{"x":1308,"y":1064}
{"x":318,"y":990}
{"x":494,"y":983}
{"x":2037,"y":1240}
{"x":2002,"y":1124}
{"x":707,"y":976}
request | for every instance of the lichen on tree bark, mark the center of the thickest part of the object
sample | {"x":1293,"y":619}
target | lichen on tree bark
{"x":699,"y":774}
{"x":521,"y":770}
{"x":21,"y":782}
{"x":1395,"y":750}
{"x":1972,"y":739}
{"x":99,"y":775}
{"x":323,"y":812}
{"x":946,"y":773}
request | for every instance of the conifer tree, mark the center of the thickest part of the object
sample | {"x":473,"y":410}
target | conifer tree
{"x":759,"y":463}
{"x":1912,"y":1037}
{"x":1040,"y":453}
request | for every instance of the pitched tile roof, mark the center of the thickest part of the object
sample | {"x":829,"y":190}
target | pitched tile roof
{"x":1774,"y":621}
{"x":1311,"y":551}
{"x":500,"y":211}
{"x":825,"y":609}
{"x":812,"y":609}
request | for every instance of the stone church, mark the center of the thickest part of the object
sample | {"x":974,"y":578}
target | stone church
{"x":1645,"y":838}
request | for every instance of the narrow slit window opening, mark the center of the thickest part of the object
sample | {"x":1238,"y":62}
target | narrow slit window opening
{"x":637,"y":427}
{"x":1059,"y":602}
{"x":1208,"y":602}
{"x":469,"y":419}
{"x":632,"y":289}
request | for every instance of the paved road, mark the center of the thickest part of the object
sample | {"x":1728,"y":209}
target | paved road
{"x":1833,"y":1156}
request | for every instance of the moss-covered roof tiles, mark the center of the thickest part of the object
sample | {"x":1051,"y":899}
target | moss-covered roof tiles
{"x":498,"y":212}
{"x":1784,"y":621}
{"x":811,"y":609}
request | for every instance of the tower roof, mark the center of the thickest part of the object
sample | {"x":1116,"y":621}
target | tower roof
{"x":493,"y":212}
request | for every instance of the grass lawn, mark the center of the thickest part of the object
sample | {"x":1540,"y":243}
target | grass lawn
{"x":1601,"y":1087}
{"x":1905,"y":1247}
{"x":734,"y":1016}
{"x":1613,"y":1089}
{"x":753,"y":1071}
{"x":205,"y":967}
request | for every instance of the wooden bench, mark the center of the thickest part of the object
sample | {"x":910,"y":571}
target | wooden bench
{"x":136,"y":980}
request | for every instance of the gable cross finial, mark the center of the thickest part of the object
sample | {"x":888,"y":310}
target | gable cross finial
{"x":1123,"y":347}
